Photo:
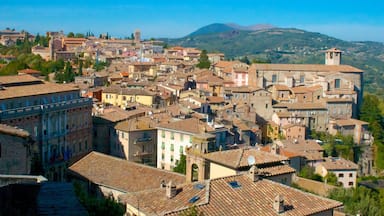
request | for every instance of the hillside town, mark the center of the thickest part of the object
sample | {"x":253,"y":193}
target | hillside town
{"x":167,"y":130}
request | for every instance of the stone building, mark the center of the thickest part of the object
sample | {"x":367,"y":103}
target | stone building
{"x":337,"y":81}
{"x":54,"y":114}
{"x":16,"y":147}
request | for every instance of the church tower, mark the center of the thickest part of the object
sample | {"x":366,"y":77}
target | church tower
{"x":333,"y":56}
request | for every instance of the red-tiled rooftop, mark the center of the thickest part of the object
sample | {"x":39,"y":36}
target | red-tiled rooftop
{"x":121,"y":174}
{"x":304,"y":67}
{"x":217,"y":197}
{"x":238,"y":158}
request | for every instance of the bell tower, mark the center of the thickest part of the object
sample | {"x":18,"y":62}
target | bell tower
{"x":333,"y":56}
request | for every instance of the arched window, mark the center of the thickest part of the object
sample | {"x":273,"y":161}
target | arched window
{"x":195,"y":173}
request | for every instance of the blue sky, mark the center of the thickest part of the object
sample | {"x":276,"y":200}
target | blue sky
{"x":348,"y":20}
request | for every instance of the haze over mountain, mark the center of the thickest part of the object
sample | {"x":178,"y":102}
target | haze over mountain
{"x":287,"y":45}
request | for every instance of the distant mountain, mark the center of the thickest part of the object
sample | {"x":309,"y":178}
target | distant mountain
{"x":288,"y":45}
{"x":212,"y":29}
{"x":255,"y":27}
{"x":220,"y":27}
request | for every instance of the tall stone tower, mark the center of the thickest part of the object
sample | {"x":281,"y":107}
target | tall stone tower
{"x":137,"y":36}
{"x":333,"y":56}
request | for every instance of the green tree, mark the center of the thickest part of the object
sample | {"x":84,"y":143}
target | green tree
{"x":192,"y":211}
{"x":98,"y":206}
{"x":245,"y":60}
{"x":203,"y":60}
{"x":181,"y":165}
{"x":309,"y":173}
{"x":359,"y":200}
{"x":71,"y":35}
{"x":331,"y":179}
{"x":79,"y":35}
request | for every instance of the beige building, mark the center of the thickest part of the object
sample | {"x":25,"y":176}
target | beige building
{"x":135,"y":140}
{"x":174,"y":137}
{"x":16,"y":150}
{"x":351,"y":127}
{"x":221,"y":164}
{"x":345,"y":170}
{"x":336,"y":80}
{"x":121,"y":97}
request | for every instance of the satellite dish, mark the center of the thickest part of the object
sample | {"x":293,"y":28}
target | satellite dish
{"x":251,"y":160}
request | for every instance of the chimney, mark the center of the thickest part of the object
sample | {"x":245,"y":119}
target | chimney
{"x":275,"y":149}
{"x":170,"y":190}
{"x":253,"y":173}
{"x":162,"y":184}
{"x":278,"y":204}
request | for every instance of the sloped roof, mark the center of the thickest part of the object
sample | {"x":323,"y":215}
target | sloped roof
{"x":217,"y":197}
{"x":305,"y":67}
{"x":238,"y":158}
{"x":121,"y":174}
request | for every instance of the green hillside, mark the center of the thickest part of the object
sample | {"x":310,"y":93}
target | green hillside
{"x":282,"y":45}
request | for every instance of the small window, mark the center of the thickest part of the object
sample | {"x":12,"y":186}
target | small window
{"x":172,"y":147}
{"x":266,"y":106}
{"x":350,"y":174}
{"x":341,"y":175}
{"x":171,"y":158}
{"x":163,"y":134}
{"x":302,"y":78}
{"x":190,"y":139}
{"x":274,"y":78}
{"x":172,"y":135}
{"x":181,"y":150}
{"x":337,"y":83}
{"x":350,"y":183}
{"x":162,"y":145}
{"x":162,"y":156}
{"x":181,"y":137}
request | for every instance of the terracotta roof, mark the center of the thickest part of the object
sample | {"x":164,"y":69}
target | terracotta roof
{"x":305,"y":67}
{"x":29,"y":71}
{"x":280,"y":87}
{"x":338,"y":164}
{"x":6,"y":129}
{"x":276,"y":170}
{"x":306,"y":106}
{"x":138,"y":124}
{"x":282,"y":151}
{"x":246,"y":89}
{"x":122,"y":174}
{"x":224,"y":64}
{"x":116,"y":114}
{"x":127,"y":91}
{"x":218,"y":197}
{"x":190,"y":125}
{"x":339,"y":100}
{"x":306,"y":89}
{"x":35,"y":89}
{"x":18,"y":79}
{"x":238,"y":158}
{"x":306,"y":148}
{"x":215,"y":99}
{"x":348,"y":122}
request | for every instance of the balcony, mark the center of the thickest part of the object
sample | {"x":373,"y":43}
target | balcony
{"x":142,"y":154}
{"x":142,"y":140}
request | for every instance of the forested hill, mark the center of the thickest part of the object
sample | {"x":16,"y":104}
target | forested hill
{"x":288,"y":45}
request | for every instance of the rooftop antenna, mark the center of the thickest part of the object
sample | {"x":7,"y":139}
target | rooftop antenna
{"x":251,"y":160}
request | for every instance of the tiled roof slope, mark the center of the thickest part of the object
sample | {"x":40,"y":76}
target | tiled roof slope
{"x":238,"y":158}
{"x":219,"y":198}
{"x":122,"y":174}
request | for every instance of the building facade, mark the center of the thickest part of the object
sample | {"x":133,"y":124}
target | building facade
{"x":55,"y":115}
